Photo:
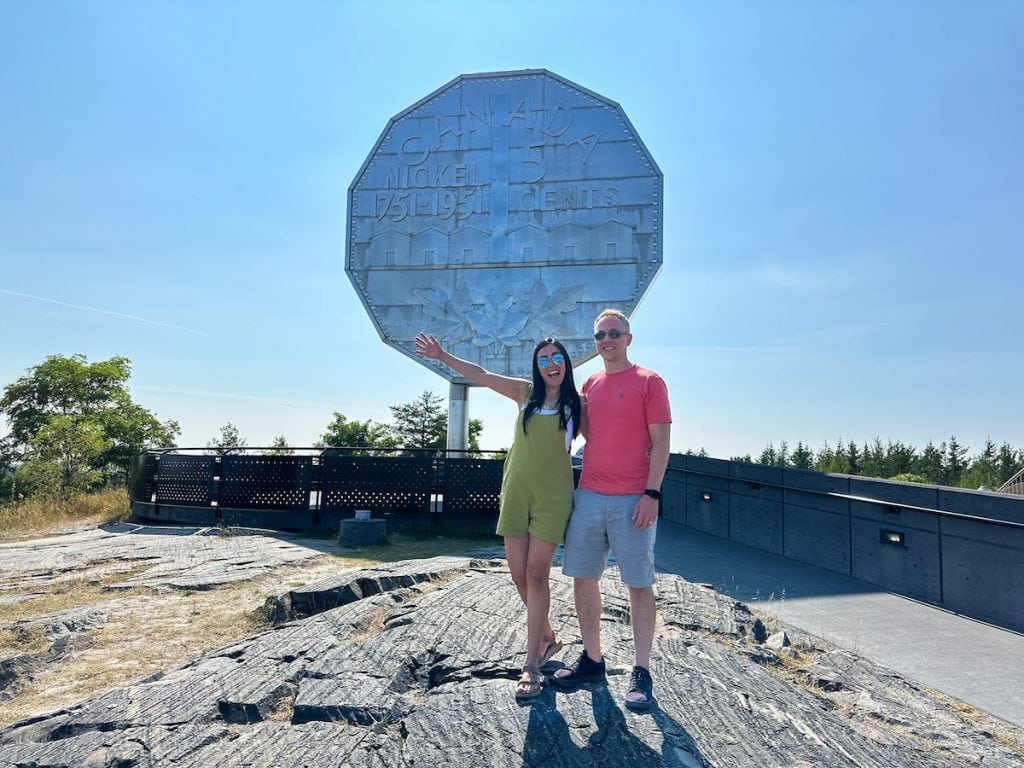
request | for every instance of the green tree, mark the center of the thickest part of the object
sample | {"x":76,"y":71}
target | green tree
{"x":342,"y":433}
{"x":954,"y":462}
{"x":853,"y":458}
{"x":802,"y":457}
{"x":130,"y":428}
{"x":829,"y":460}
{"x":229,"y":437}
{"x":783,"y":459}
{"x":873,"y":460}
{"x":92,"y":395}
{"x":929,"y":464}
{"x":406,"y":432}
{"x":421,"y":423}
{"x":1009,"y":462}
{"x":768,"y":456}
{"x":775,"y":457}
{"x":280,"y":447}
{"x":61,"y":457}
{"x":899,"y":459}
{"x":8,"y":464}
{"x":946,"y":465}
{"x":982,"y":469}
{"x":476,"y":427}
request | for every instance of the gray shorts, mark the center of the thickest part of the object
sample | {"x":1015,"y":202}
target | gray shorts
{"x":600,"y":523}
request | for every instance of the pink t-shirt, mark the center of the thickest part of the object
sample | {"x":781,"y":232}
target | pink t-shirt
{"x":617,"y":457}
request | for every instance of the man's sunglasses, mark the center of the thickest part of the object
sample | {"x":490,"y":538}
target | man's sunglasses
{"x":557,"y":359}
{"x":614,"y":333}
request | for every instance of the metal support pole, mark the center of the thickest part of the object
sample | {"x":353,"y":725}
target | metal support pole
{"x":458,"y":417}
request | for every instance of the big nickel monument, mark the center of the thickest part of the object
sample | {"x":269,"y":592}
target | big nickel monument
{"x":500,"y":209}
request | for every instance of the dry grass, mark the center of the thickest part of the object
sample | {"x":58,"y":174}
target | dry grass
{"x":22,"y":640}
{"x":143,"y":633}
{"x":791,"y":666}
{"x":1003,"y":733}
{"x":146,"y":631}
{"x":33,"y":518}
{"x":76,"y":590}
{"x":374,"y":625}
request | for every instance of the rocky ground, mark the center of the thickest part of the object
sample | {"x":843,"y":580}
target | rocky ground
{"x":413,"y":664}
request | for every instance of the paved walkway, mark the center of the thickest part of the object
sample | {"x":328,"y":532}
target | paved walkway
{"x":969,"y":660}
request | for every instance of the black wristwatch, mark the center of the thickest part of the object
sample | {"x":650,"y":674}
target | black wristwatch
{"x":654,"y":493}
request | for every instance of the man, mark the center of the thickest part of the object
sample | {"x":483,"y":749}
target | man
{"x":626,"y":423}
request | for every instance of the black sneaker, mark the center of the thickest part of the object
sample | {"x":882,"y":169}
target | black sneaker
{"x":585,"y":670}
{"x":641,"y":690}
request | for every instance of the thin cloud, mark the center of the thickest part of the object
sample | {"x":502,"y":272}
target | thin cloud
{"x":799,"y":281}
{"x":122,"y":315}
{"x":276,"y":402}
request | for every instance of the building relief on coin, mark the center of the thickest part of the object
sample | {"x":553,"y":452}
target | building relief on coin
{"x":499,"y":210}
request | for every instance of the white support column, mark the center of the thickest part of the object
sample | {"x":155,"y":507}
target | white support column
{"x":458,"y":417}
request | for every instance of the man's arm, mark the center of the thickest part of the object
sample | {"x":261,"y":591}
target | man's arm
{"x":646,"y":510}
{"x":659,"y":454}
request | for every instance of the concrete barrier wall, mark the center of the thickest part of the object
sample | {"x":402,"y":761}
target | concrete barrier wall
{"x":755,"y":506}
{"x":959,"y":549}
{"x":673,"y":490}
{"x":817,"y":525}
{"x":894,"y":545}
{"x":967,"y":543}
{"x":707,"y":495}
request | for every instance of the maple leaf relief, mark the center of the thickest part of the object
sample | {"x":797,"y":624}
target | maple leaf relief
{"x":448,"y":321}
{"x":497,"y":322}
{"x":548,"y":312}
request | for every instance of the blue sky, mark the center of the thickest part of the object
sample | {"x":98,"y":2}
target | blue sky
{"x":844,"y":204}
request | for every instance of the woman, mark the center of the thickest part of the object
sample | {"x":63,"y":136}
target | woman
{"x":536,"y":490}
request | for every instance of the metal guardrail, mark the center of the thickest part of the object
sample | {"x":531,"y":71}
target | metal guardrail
{"x":1013,"y":486}
{"x":316,"y":485}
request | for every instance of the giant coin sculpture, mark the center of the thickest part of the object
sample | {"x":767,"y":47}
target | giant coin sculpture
{"x":503,"y":208}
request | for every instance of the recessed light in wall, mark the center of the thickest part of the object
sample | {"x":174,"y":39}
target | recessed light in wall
{"x":891,"y":537}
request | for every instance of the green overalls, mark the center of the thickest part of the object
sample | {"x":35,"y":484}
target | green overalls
{"x":536,"y":489}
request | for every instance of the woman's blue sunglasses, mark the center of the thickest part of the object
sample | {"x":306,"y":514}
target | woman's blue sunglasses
{"x":557,"y":359}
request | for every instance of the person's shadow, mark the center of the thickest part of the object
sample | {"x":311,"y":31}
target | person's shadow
{"x":548,"y":742}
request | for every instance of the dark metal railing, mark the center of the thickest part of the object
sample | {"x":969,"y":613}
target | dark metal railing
{"x":299,"y":488}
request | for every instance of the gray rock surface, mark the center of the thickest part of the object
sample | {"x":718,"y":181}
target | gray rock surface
{"x":159,"y":556}
{"x":413,"y":665}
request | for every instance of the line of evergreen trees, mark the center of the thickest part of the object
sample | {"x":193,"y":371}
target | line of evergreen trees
{"x":946,"y":464}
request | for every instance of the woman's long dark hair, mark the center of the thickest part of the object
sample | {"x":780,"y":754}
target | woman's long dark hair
{"x":568,"y":397}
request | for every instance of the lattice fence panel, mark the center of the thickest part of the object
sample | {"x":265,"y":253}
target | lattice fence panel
{"x":472,"y":486}
{"x":386,"y":485}
{"x":266,"y":482}
{"x":185,"y":480}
